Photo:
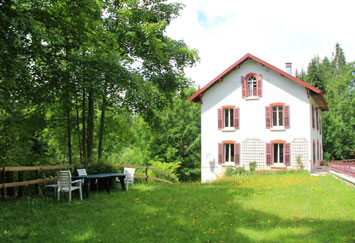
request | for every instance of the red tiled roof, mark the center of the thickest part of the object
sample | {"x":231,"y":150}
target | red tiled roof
{"x":196,"y":97}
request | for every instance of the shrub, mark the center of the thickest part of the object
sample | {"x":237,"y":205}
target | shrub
{"x":101,"y":167}
{"x":229,"y":172}
{"x":252,"y":166}
{"x":170,"y":167}
{"x":299,"y":162}
{"x":239,"y":170}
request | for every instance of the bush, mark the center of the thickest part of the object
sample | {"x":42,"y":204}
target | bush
{"x":252,"y":166}
{"x":170,"y":167}
{"x":97,"y":168}
{"x":239,"y":171}
{"x":299,"y":162}
{"x":229,"y":172}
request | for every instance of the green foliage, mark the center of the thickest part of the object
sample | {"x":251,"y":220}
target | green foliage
{"x":170,"y":167}
{"x":252,"y":166}
{"x":299,"y":162}
{"x":131,"y":156}
{"x":334,"y":77}
{"x":96,"y":168}
{"x":229,"y":172}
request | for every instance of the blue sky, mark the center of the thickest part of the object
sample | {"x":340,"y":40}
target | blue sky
{"x":274,"y":30}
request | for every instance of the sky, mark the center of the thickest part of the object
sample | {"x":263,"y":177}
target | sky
{"x":275,"y":31}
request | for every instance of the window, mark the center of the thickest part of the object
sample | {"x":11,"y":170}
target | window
{"x":312,"y":116}
{"x":228,"y":118}
{"x":278,"y":152}
{"x":277,"y":115}
{"x":251,"y":85}
{"x":228,"y":152}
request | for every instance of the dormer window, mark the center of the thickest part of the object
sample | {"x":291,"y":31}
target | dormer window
{"x":251,"y":86}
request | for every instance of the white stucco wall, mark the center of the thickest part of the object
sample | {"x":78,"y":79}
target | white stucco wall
{"x":252,"y":132}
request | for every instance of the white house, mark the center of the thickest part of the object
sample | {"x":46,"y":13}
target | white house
{"x":254,"y":111}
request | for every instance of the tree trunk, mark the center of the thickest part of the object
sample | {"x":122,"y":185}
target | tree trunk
{"x":84,"y":126}
{"x":102,"y":127}
{"x":78,"y":127}
{"x":90,"y":132}
{"x":69,"y":134}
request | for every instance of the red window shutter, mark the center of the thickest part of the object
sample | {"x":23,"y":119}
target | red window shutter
{"x":236,"y":118}
{"x":288,"y":154}
{"x":243,"y":87}
{"x":220,"y":153}
{"x":287,"y":116}
{"x":314,"y":151}
{"x":237,"y":153}
{"x":317,"y":149}
{"x":312,"y":116}
{"x":317,"y":118}
{"x":259,"y":79}
{"x":267,"y":116}
{"x":320,"y":126}
{"x":268,"y":154}
{"x":220,"y":120}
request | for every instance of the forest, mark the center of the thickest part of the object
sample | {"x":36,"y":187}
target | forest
{"x":90,"y":82}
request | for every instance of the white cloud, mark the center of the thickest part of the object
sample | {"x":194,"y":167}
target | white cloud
{"x":275,"y":31}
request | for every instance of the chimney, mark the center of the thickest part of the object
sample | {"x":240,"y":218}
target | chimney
{"x":289,"y":68}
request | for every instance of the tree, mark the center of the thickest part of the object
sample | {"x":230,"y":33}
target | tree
{"x":75,"y":57}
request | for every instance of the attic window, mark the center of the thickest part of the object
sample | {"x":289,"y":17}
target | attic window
{"x":252,"y":86}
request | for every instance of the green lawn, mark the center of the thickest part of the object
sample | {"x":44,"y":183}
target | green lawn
{"x":256,"y":208}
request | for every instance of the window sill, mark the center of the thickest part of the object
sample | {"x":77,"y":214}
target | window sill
{"x":252,"y":98}
{"x":228,"y":164}
{"x":277,"y":129}
{"x":278,"y":166}
{"x":229,"y":129}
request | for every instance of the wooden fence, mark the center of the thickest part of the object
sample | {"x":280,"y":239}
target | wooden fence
{"x":345,"y":166}
{"x":7,"y":177}
{"x":146,"y":176}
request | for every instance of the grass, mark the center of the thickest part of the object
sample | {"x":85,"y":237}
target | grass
{"x":250,"y":208}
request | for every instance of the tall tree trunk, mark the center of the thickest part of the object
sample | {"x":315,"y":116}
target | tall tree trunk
{"x":102,"y":127}
{"x":84,"y":126}
{"x":90,"y":133}
{"x":78,"y":127}
{"x":69,"y":134}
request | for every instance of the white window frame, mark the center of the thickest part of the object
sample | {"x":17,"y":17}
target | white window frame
{"x":251,"y":82}
{"x":278,"y":159}
{"x":229,"y":113}
{"x":278,"y":118}
{"x":228,"y":152}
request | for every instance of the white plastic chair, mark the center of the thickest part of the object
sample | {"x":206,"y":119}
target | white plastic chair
{"x":65,"y":184}
{"x":129,"y":179}
{"x":82,"y":172}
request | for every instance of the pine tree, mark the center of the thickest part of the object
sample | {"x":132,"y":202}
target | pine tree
{"x":314,"y":76}
{"x":338,"y":61}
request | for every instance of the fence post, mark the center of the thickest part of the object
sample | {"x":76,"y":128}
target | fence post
{"x":20,"y":189}
{"x":2,"y":180}
{"x":10,"y":178}
{"x":36,"y":185}
{"x":146,"y":174}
